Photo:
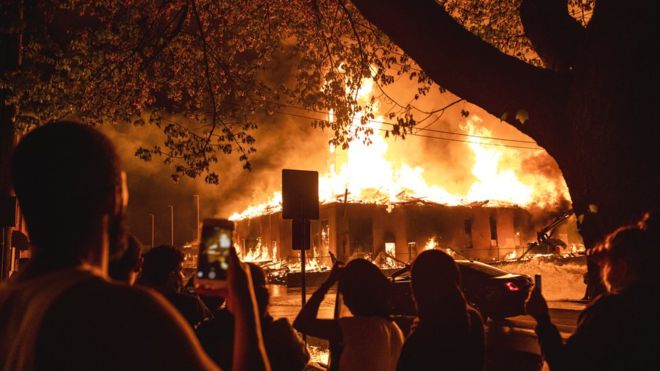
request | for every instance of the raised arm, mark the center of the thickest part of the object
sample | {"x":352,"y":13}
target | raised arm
{"x":549,"y":338}
{"x":307,"y":321}
{"x":249,"y":350}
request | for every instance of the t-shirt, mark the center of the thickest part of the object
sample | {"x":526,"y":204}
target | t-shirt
{"x":615,"y":332}
{"x":74,"y":319}
{"x":369,"y":343}
{"x":22,"y":309}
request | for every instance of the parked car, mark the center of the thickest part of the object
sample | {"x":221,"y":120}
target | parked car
{"x":495,"y":293}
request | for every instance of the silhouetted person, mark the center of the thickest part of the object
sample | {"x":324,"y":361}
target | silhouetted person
{"x":370,"y":340}
{"x":285,"y":349}
{"x":127,"y":266}
{"x":448,"y":334}
{"x":162,"y":271}
{"x":62,"y":312}
{"x":619,"y":330}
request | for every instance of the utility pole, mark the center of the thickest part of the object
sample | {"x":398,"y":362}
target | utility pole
{"x":197,"y":228}
{"x":152,"y":229}
{"x":171,"y":224}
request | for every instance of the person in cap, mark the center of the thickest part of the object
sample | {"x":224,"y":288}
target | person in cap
{"x":619,"y":330}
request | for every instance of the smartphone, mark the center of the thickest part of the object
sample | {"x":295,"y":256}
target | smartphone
{"x":537,"y":281}
{"x":213,"y":257}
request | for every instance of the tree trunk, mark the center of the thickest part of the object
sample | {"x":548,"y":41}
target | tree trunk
{"x":597,"y":120}
{"x":601,"y":126}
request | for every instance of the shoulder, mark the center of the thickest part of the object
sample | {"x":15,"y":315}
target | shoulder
{"x":603,"y":306}
{"x":281,"y":325}
{"x":113,"y":307}
{"x":120,"y":324}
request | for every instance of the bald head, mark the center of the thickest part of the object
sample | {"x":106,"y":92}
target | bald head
{"x":66,"y":177}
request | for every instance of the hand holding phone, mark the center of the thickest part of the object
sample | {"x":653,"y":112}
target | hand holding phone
{"x":537,"y":281}
{"x":213,"y":257}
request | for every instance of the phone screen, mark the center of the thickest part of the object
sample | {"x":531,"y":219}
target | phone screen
{"x":214,"y":251}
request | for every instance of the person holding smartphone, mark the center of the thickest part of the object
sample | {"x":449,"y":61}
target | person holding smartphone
{"x":618,"y":330}
{"x":62,"y":312}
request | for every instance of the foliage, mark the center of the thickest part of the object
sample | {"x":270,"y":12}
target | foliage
{"x":201,"y":71}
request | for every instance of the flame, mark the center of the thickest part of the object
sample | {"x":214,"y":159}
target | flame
{"x":500,"y":177}
{"x":366,"y":176}
{"x":312,"y":264}
{"x":511,"y":256}
{"x":259,"y":253}
{"x":431,"y":244}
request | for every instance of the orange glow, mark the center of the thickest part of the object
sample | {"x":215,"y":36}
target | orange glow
{"x":431,"y":244}
{"x":364,"y":172}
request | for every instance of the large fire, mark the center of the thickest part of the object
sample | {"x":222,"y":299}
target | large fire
{"x":363,"y":174}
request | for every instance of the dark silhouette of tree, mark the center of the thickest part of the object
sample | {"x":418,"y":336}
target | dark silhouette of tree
{"x":200,"y":70}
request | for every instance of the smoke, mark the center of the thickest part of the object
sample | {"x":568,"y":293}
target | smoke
{"x":288,"y":141}
{"x":282,"y":142}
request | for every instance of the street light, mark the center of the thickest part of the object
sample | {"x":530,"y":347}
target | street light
{"x":197,"y":225}
{"x":152,"y":229}
{"x":171,"y":224}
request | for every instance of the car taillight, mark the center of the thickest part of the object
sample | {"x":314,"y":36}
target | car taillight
{"x":511,"y":286}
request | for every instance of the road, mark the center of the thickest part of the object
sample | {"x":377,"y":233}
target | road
{"x":511,"y":343}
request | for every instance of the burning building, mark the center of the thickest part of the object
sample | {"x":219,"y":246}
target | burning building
{"x":400,"y":231}
{"x":375,"y":205}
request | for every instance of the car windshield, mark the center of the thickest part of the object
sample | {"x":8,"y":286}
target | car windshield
{"x":483,"y":268}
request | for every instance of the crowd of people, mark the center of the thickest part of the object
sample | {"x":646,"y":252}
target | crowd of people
{"x":90,"y":298}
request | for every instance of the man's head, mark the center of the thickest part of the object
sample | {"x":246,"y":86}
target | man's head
{"x":162,"y":269}
{"x":126,"y":267}
{"x":71,"y":189}
{"x":435,"y":281}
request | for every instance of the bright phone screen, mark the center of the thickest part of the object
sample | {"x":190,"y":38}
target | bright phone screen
{"x":214,"y":253}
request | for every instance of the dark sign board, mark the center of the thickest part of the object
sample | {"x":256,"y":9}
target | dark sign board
{"x":300,"y":234}
{"x":300,"y":194}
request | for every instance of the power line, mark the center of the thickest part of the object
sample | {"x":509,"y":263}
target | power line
{"x":423,"y":129}
{"x":426,"y":136}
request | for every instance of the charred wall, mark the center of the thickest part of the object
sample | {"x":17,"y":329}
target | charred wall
{"x":482,"y":233}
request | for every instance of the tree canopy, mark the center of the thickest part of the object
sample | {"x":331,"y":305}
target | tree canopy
{"x":202,"y":71}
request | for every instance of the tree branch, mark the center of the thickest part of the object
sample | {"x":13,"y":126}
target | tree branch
{"x":207,"y":72}
{"x":470,"y":67}
{"x":556,"y":36}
